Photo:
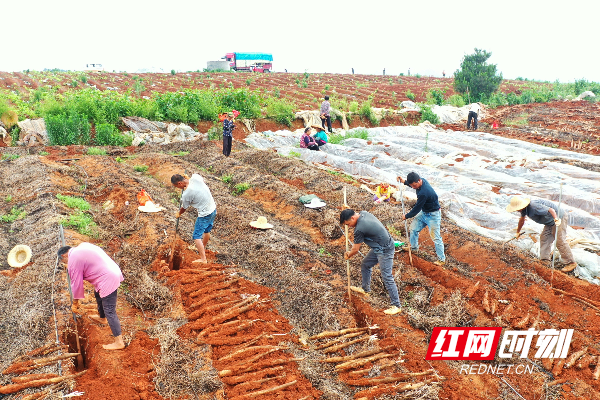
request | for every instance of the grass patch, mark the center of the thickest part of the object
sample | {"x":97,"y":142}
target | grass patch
{"x":82,"y":223}
{"x":43,"y":153}
{"x":8,"y":198}
{"x":227,"y":179}
{"x":74,"y":202}
{"x":14,"y":214}
{"x":346,"y":177}
{"x":10,"y":156}
{"x":355,"y":133}
{"x":294,"y":154}
{"x":140,"y":168}
{"x":520,"y":120}
{"x":240,"y":188}
{"x":179,"y":153}
{"x":95,"y":151}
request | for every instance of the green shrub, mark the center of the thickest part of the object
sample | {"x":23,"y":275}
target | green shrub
{"x":353,"y":107}
{"x":227,"y":178}
{"x":476,"y":77}
{"x":43,"y":153}
{"x":95,"y":151}
{"x":294,"y":154}
{"x":14,"y":214}
{"x":435,"y":96}
{"x":74,"y":202}
{"x":359,"y":133}
{"x":65,"y":129}
{"x":410,"y":95}
{"x":456,"y":100}
{"x":281,"y":111}
{"x":428,"y":115}
{"x":9,"y":156}
{"x":82,"y":223}
{"x":367,"y":112}
{"x":172,"y":72}
{"x":215,"y":132}
{"x":8,"y":198}
{"x":240,"y":188}
{"x":245,"y":101}
{"x":140,"y":168}
{"x":108,"y":135}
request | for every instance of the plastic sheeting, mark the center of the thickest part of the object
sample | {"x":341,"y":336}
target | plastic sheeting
{"x":474,"y":174}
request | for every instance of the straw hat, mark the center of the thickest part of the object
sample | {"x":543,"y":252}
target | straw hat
{"x":19,"y":256}
{"x":150,"y":207}
{"x":261,"y":223}
{"x":315,"y":203}
{"x":517,"y":203}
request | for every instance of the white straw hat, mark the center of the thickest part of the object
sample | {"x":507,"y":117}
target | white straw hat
{"x":19,"y":256}
{"x":517,"y":203}
{"x":261,"y":223}
{"x":315,"y":203}
{"x":150,"y":207}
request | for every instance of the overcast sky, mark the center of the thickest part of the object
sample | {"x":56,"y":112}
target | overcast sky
{"x":542,"y":40}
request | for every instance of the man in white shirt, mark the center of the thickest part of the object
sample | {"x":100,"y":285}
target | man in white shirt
{"x":197,"y":195}
{"x":473,"y":113}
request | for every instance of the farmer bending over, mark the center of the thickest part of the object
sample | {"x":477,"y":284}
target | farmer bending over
{"x":427,"y":213}
{"x":368,"y":229}
{"x":197,"y":195}
{"x":546,"y":213}
{"x":88,"y":262}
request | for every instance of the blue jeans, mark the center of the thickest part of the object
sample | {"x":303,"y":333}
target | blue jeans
{"x":204,"y":225}
{"x":433,"y":220}
{"x":386,"y":263}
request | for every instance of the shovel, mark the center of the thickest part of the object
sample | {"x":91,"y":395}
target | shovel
{"x":175,"y":237}
{"x":79,"y":356}
{"x":406,"y":228}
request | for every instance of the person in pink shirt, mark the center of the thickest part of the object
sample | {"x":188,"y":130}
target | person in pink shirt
{"x":88,"y":262}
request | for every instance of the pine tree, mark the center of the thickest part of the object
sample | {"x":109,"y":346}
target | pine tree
{"x":476,"y":79}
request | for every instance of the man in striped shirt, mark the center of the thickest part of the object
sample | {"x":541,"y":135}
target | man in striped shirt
{"x":325,"y":109}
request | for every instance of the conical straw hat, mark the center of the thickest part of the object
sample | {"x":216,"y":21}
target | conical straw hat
{"x":517,"y":203}
{"x":19,"y":256}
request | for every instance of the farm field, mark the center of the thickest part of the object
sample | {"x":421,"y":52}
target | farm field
{"x":246,"y":324}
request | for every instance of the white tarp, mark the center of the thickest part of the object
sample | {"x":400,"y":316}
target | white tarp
{"x":474,"y":174}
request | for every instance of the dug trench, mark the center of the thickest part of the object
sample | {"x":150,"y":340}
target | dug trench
{"x":243,"y":325}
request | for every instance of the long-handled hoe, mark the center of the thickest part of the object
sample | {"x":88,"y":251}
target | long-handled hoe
{"x":175,"y":237}
{"x":406,"y":228}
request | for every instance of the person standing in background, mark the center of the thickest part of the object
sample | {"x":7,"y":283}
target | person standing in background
{"x":228,"y":127}
{"x":325,"y":109}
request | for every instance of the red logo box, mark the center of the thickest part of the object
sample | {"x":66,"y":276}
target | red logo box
{"x":463,"y":343}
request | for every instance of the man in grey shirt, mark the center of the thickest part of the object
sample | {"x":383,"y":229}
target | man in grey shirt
{"x":546,"y":213}
{"x":197,"y":195}
{"x":368,"y":229}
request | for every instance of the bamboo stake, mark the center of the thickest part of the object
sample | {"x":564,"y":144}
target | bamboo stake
{"x":42,"y":382}
{"x":556,"y":234}
{"x":328,"y":334}
{"x":347,"y":249}
{"x":406,"y":227}
{"x":361,"y":362}
{"x":338,"y":347}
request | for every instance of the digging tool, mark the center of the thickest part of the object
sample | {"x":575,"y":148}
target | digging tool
{"x":79,"y":356}
{"x":348,"y":241}
{"x":509,"y":240}
{"x":175,"y":237}
{"x":556,"y":235}
{"x":406,"y":227}
{"x":347,"y":249}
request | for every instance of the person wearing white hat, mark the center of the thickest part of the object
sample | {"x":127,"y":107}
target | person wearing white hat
{"x":197,"y":194}
{"x":546,"y":213}
{"x":88,"y":262}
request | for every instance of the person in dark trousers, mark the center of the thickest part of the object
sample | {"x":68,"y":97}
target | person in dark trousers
{"x":352,"y":71}
{"x":325,"y":109}
{"x":368,"y":229}
{"x":473,"y":114}
{"x":88,"y":262}
{"x":228,"y":127}
{"x":427,"y":212}
{"x":546,"y":213}
{"x":307,"y":141}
